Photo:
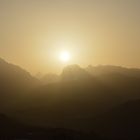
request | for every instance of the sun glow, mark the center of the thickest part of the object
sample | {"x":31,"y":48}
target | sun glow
{"x":64,"y":56}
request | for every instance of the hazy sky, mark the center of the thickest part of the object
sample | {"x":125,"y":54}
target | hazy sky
{"x":33,"y":32}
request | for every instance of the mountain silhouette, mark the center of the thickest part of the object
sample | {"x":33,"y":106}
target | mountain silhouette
{"x":81,"y":100}
{"x":106,"y":70}
{"x":74,"y":72}
{"x":15,"y":83}
{"x":50,"y":78}
{"x":12,"y":75}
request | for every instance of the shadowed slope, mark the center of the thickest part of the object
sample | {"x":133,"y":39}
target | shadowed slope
{"x":122,"y":122}
{"x":15,"y":83}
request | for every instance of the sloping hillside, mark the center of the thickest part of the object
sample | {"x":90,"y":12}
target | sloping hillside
{"x":15,"y":83}
{"x":122,"y":122}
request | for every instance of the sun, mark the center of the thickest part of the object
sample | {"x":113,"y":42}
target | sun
{"x":64,"y":56}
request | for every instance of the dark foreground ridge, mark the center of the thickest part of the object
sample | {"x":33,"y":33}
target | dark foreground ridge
{"x":12,"y":130}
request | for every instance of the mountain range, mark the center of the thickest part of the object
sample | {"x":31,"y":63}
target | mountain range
{"x":103,"y":100}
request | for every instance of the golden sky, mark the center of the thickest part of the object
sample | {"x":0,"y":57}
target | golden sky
{"x":33,"y":32}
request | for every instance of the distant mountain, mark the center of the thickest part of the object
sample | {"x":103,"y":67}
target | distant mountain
{"x":108,"y":70}
{"x":74,"y":72}
{"x":12,"y":75}
{"x":122,"y":122}
{"x":102,"y":72}
{"x":39,"y":75}
{"x":15,"y":83}
{"x":69,"y":73}
{"x":50,"y":78}
{"x":79,"y":98}
{"x":74,"y":102}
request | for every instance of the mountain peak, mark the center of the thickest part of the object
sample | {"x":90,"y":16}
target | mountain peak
{"x":14,"y":76}
{"x":74,"y":72}
{"x":2,"y":60}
